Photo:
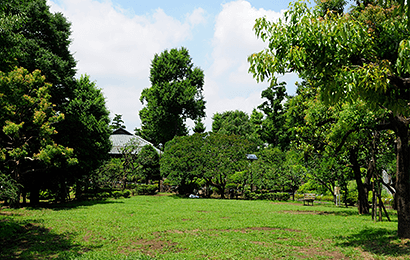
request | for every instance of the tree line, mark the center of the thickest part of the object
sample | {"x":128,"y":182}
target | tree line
{"x":349,"y":119}
{"x":54,"y":127}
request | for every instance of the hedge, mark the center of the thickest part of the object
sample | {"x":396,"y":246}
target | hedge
{"x":145,"y":189}
{"x":278,"y":196}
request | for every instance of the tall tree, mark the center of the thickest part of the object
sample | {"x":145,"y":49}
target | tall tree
{"x":148,"y":161}
{"x":363,"y":55}
{"x":182,"y":161}
{"x":26,"y":120}
{"x":237,"y":123}
{"x":43,"y":43}
{"x":232,"y":123}
{"x":86,"y":115}
{"x":117,"y":122}
{"x":212,"y":157}
{"x":273,"y":125}
{"x":174,"y":96}
{"x":224,"y":155}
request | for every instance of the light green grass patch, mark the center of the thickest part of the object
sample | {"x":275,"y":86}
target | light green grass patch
{"x":169,"y":227}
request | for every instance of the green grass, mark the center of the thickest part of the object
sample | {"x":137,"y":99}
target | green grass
{"x":169,"y":227}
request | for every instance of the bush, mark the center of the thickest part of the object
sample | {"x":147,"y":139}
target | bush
{"x":104,"y":195}
{"x":298,"y":196}
{"x":117,"y":194}
{"x":131,"y":185}
{"x":324,"y":198}
{"x":387,"y":199}
{"x":281,"y":196}
{"x":264,"y":195}
{"x":146,"y":189}
{"x":351,"y":198}
{"x":46,"y":195}
{"x":126,"y":193}
{"x":9,"y":188}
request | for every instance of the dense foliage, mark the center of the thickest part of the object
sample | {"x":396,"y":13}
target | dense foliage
{"x":348,"y":58}
{"x":174,"y":96}
{"x":27,"y":119}
{"x":70,"y":115}
{"x":205,"y":161}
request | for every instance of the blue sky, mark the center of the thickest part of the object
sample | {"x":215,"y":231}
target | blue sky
{"x":115,"y":41}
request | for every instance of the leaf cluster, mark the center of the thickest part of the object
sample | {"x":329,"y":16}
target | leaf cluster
{"x":174,"y":96}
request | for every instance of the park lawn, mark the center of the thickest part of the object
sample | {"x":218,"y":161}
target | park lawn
{"x":169,"y":227}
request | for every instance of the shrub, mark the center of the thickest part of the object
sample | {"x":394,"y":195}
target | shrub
{"x":104,"y":195}
{"x":126,"y":193}
{"x":117,"y":194}
{"x":265,"y":195}
{"x":298,"y":196}
{"x":351,"y":198}
{"x":46,"y":195}
{"x":131,"y":185}
{"x":146,"y":189}
{"x":324,"y":197}
{"x":281,"y":196}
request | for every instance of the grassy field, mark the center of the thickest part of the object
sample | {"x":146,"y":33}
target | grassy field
{"x":169,"y":227}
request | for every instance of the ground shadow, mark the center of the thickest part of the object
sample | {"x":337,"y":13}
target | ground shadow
{"x":29,"y":240}
{"x":71,"y":204}
{"x":377,"y":241}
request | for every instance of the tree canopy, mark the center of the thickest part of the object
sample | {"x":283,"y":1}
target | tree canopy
{"x":27,"y":120}
{"x":209,"y":158}
{"x":34,"y":39}
{"x":174,"y":96}
{"x":362,"y":55}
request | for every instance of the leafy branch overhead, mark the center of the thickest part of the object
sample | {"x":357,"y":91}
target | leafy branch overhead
{"x":360,"y":58}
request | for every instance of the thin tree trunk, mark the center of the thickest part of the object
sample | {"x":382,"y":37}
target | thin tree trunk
{"x":403,"y":178}
{"x":362,"y":201}
{"x":384,"y":209}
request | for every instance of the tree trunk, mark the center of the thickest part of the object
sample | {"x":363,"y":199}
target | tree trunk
{"x":362,"y":201}
{"x":35,"y":196}
{"x":403,"y":177}
{"x":78,"y":189}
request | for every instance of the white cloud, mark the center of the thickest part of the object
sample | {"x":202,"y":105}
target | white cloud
{"x":197,"y":17}
{"x":107,"y":41}
{"x":116,"y":47}
{"x":234,"y":38}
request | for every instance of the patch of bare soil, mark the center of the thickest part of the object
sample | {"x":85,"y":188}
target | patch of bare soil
{"x":307,"y":212}
{"x":287,"y":203}
{"x":162,"y":194}
{"x":246,"y":230}
{"x":8,"y":213}
{"x":203,"y":211}
{"x":312,"y":252}
{"x":153,"y":247}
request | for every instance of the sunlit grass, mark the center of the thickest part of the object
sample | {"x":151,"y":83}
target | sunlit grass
{"x":169,"y":227}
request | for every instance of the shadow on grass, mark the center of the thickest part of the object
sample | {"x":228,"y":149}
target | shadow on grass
{"x":377,"y":241}
{"x":29,"y":240}
{"x":71,"y":205}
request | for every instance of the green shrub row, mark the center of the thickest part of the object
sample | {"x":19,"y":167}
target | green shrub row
{"x":118,"y":194}
{"x":278,"y":196}
{"x":325,"y":198}
{"x":145,"y":189}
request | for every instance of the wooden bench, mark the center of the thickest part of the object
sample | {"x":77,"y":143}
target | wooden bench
{"x":308,"y":197}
